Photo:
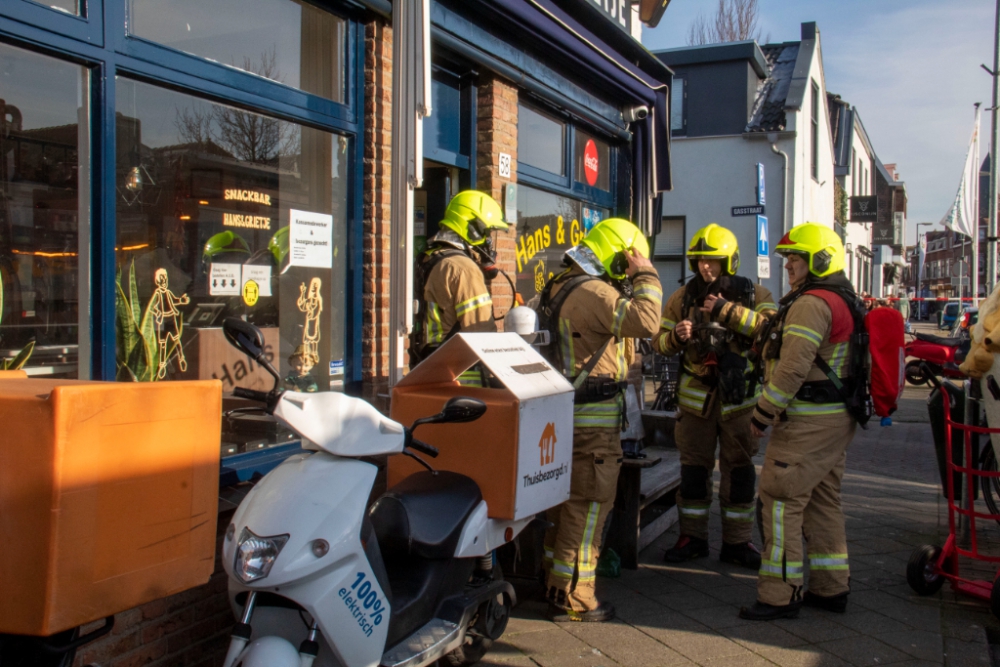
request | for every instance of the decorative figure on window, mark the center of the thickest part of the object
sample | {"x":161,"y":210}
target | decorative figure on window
{"x":540,"y":276}
{"x":312,"y":305}
{"x":300,"y":378}
{"x":169,"y":322}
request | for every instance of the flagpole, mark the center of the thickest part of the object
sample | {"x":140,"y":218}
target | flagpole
{"x":991,"y":233}
{"x":974,"y":282}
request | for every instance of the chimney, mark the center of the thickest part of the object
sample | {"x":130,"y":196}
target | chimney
{"x":809,"y":30}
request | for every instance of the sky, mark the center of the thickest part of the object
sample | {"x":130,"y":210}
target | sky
{"x":910,"y":67}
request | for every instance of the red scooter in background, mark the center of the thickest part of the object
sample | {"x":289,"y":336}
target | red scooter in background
{"x":939,"y":355}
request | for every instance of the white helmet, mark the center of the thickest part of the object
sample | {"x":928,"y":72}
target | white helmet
{"x":524,"y":322}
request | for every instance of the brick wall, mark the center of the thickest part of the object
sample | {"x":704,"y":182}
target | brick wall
{"x":375,"y":339}
{"x":190,"y":629}
{"x":496,"y":132}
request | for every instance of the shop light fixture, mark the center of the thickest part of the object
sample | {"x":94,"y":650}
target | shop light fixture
{"x":185,"y":217}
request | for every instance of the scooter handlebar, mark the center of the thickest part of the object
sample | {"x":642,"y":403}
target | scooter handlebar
{"x":424,"y":448}
{"x":252,"y":394}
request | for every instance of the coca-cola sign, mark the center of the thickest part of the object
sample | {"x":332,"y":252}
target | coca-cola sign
{"x":591,"y":164}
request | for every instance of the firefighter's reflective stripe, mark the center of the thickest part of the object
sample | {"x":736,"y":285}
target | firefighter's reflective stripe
{"x":777,"y":396}
{"x":621,"y":310}
{"x":587,"y":543}
{"x":471,"y":378}
{"x":772,"y":566}
{"x":738,"y":514}
{"x":548,"y":554}
{"x":813,"y":337}
{"x":566,"y":342}
{"x":767,"y":305}
{"x":838,"y":359}
{"x":749,"y":321}
{"x":622,"y":364}
{"x":649,"y":293}
{"x":803,"y":408}
{"x":667,"y":324}
{"x":561,"y":568}
{"x":597,"y":415}
{"x":688,"y":396}
{"x":745,"y":405}
{"x":694,"y":510}
{"x":828,"y":562}
{"x":478,"y":301}
{"x":434,"y":328}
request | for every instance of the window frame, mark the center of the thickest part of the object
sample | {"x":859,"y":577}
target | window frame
{"x":682,"y":130}
{"x":673,"y":257}
{"x":50,"y":32}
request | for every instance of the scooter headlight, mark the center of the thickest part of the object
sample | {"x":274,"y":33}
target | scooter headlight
{"x":255,"y":555}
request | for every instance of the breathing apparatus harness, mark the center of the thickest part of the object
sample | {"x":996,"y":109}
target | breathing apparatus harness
{"x":855,"y":389}
{"x":447,"y":245}
{"x":712,"y":342}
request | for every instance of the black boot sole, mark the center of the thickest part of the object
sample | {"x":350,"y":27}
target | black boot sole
{"x":771,"y":615}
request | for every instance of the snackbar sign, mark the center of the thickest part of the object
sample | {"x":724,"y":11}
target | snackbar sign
{"x":246,"y":221}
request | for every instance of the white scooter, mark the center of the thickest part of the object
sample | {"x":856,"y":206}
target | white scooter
{"x":317,"y":577}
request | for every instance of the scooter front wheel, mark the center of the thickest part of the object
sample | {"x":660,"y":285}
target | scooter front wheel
{"x":487,"y":626}
{"x":915,"y":374}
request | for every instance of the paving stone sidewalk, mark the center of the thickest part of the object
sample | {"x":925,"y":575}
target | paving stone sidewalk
{"x":687,"y":615}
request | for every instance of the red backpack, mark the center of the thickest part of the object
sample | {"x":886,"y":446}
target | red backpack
{"x":886,"y":347}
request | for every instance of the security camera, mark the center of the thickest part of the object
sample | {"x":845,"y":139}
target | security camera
{"x":632,"y":114}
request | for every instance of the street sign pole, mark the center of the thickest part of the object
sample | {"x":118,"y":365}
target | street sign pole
{"x":991,"y":236}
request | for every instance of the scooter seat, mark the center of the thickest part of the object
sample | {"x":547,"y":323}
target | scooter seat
{"x":423,"y":515}
{"x":947,"y":341}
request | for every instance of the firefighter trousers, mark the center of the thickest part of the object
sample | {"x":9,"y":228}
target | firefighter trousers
{"x":799,"y":497}
{"x":573,"y":543}
{"x":696,"y":438}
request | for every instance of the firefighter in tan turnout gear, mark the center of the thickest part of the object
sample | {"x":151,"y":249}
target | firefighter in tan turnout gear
{"x":591,"y":321}
{"x":712,"y":322}
{"x":810,"y":340}
{"x":454,"y":269}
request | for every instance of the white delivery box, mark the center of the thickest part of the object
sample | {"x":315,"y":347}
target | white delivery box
{"x":521,"y":450}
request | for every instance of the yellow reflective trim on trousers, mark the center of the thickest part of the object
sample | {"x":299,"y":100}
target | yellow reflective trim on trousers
{"x":589,"y":526}
{"x":788,"y":570}
{"x":432,"y":324}
{"x":475,"y":302}
{"x":738,"y":514}
{"x":828,"y":562}
{"x":693,"y":510}
{"x":804,"y":332}
{"x":561,"y":568}
{"x":804,"y":408}
{"x":566,"y":342}
{"x":621,"y":310}
{"x":778,"y":531}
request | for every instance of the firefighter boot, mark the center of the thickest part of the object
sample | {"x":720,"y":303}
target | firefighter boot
{"x":761,"y":611}
{"x":745,"y":555}
{"x":835,"y":603}
{"x":687,"y":548}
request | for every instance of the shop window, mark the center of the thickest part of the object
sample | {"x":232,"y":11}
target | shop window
{"x":69,"y":6}
{"x":678,"y":121}
{"x":668,"y":254}
{"x":44,"y":219}
{"x":541,"y":141}
{"x":593,"y":161}
{"x":547,"y":226}
{"x":287,"y":41}
{"x":224,"y":212}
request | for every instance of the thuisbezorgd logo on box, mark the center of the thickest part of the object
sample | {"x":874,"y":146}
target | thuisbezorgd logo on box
{"x":546,"y":456}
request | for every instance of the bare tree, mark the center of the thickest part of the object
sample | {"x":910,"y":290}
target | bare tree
{"x":247,"y":136}
{"x":733,"y":21}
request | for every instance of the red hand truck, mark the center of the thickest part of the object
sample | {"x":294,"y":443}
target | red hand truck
{"x":930,"y":566}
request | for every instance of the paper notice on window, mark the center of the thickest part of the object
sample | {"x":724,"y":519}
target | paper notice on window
{"x":225,"y":279}
{"x":310,"y":239}
{"x":260,"y":275}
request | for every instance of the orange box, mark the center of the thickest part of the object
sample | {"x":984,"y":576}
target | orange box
{"x":108,"y":497}
{"x":10,"y":375}
{"x":521,"y":450}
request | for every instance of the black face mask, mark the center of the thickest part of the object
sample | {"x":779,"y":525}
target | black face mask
{"x":487,"y":259}
{"x":619,"y":263}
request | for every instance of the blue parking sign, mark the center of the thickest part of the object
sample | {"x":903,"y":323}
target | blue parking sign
{"x":763,"y":247}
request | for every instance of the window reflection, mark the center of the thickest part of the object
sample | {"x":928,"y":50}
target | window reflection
{"x":44,"y":208}
{"x":541,"y":141}
{"x":224,"y":212}
{"x":287,"y":41}
{"x":68,"y":6}
{"x":547,"y":226}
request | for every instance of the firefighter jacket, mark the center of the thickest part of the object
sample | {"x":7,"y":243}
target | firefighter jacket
{"x":592,"y":313}
{"x":696,"y":380}
{"x":812,"y":325}
{"x":455,"y":293}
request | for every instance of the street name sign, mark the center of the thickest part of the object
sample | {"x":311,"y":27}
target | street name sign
{"x":753,"y":209}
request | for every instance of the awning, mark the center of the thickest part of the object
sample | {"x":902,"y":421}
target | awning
{"x":567,"y":43}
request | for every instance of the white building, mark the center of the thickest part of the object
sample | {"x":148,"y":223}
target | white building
{"x":736,"y":105}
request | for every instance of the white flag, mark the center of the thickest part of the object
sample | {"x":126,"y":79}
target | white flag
{"x":964,"y":213}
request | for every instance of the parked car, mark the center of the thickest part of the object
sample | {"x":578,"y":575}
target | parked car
{"x":948,"y":314}
{"x":963,"y":325}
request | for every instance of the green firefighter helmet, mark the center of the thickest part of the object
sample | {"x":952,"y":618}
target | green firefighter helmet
{"x":819,"y":245}
{"x":609,"y":239}
{"x":473,"y":215}
{"x":715,"y":242}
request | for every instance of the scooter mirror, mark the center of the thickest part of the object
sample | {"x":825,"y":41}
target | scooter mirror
{"x":244,"y":336}
{"x":462,"y":409}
